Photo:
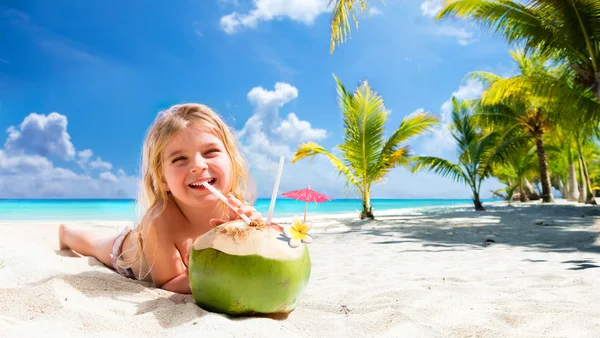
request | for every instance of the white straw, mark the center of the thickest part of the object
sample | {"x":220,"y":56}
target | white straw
{"x":275,"y":188}
{"x":224,"y":199}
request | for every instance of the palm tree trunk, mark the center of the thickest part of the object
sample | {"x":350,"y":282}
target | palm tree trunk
{"x":509,"y":196}
{"x":523,"y":194}
{"x":367,"y":211}
{"x":564,"y":189}
{"x":544,"y":176}
{"x":477,"y":202}
{"x":589,"y":193}
{"x":572,"y":181}
{"x":582,"y":187}
{"x":531,"y":194}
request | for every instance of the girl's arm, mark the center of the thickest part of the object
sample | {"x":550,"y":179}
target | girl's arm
{"x":179,"y":284}
{"x":164,"y":260}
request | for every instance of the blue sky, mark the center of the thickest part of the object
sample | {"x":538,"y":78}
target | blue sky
{"x":80,"y":82}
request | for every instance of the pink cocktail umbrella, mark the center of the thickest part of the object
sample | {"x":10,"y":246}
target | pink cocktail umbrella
{"x":307,"y":195}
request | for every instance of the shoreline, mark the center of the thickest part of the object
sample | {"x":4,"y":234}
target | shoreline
{"x":312,"y":215}
{"x":53,"y":209}
{"x":309,"y":215}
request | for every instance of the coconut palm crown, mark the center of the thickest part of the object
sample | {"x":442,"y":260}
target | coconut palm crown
{"x":566,"y":30}
{"x":367,"y":156}
{"x":477,"y":151}
{"x":523,"y":109}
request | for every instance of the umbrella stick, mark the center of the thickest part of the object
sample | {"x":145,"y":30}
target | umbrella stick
{"x":306,"y":206}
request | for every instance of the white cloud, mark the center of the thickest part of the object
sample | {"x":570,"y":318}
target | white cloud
{"x":33,"y":176}
{"x":23,"y":163}
{"x":416,"y":112}
{"x":99,"y":164}
{"x":27,"y":172}
{"x":431,"y":7}
{"x":84,"y":156}
{"x":269,"y":101}
{"x":83,"y":159}
{"x":197,"y":30}
{"x":374,"y":11}
{"x":462,"y":35}
{"x":304,"y":11}
{"x":266,"y":136}
{"x":223,"y":3}
{"x":293,"y":129}
{"x":42,"y":135}
{"x":108,"y":176}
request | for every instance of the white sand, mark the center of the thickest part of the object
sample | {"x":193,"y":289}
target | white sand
{"x":422,"y":272}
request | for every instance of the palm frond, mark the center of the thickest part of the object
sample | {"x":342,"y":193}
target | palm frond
{"x":391,"y":156}
{"x":411,"y":126}
{"x":501,"y":153}
{"x":311,"y":149}
{"x":574,"y":104}
{"x":364,"y":119}
{"x":512,"y":19}
{"x":400,"y":157}
{"x":486,"y":78}
{"x":462,"y":130}
{"x":342,"y":11}
{"x":440,"y":166}
{"x":566,"y":29}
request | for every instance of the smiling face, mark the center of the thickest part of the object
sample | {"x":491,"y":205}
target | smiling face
{"x":196,"y":155}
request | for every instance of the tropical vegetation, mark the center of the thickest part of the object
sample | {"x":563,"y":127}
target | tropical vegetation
{"x":342,"y":12}
{"x":366,"y":155}
{"x":566,"y":30}
{"x":477,"y":151}
{"x":523,"y":109}
{"x":548,"y":111}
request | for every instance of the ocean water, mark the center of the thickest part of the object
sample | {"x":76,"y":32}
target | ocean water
{"x":81,"y":209}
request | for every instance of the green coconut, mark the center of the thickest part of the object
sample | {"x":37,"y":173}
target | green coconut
{"x":241,"y":269}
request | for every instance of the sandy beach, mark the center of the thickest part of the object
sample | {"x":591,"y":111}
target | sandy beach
{"x":431,"y":272}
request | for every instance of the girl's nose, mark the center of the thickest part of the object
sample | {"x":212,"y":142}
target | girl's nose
{"x":199,"y":163}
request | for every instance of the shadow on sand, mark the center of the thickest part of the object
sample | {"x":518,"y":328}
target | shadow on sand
{"x":97,"y":284}
{"x":546,"y":228}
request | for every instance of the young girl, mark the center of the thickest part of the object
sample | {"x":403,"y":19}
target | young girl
{"x":186,"y":145}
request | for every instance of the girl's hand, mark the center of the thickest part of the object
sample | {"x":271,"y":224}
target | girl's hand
{"x":241,"y":208}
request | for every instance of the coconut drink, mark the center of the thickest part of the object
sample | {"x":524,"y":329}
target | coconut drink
{"x":244,"y":269}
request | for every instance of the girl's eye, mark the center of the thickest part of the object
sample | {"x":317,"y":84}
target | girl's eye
{"x":178,"y":158}
{"x":215,"y":150}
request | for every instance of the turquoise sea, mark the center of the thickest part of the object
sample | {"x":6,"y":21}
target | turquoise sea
{"x":98,"y":209}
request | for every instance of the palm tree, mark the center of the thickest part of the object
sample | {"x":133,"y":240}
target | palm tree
{"x":561,"y":161}
{"x":522,"y":108}
{"x":588,"y":189}
{"x":516,"y":169}
{"x":594,"y":169}
{"x":507,"y":193}
{"x":477,"y":151}
{"x":366,"y":155}
{"x":566,"y":29}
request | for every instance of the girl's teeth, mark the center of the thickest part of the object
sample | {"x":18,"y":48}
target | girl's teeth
{"x":200,"y":185}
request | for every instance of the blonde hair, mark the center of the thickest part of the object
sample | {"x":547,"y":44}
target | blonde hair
{"x":152,"y":197}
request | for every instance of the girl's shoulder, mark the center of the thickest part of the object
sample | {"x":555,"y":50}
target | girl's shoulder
{"x":170,"y":217}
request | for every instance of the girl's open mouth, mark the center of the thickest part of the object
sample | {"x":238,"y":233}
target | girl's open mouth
{"x":198,"y":185}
